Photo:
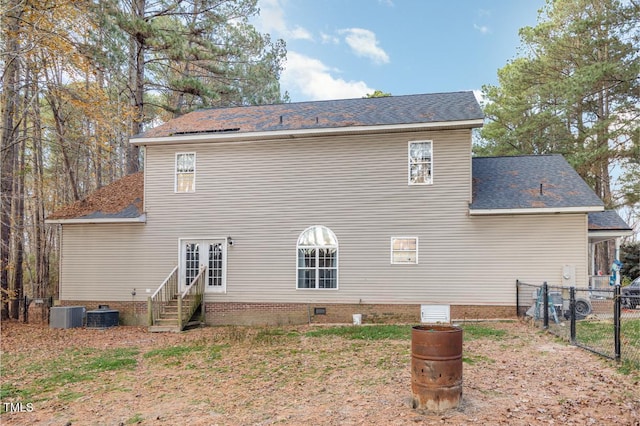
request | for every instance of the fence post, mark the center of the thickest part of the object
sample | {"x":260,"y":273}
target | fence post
{"x":517,"y":298}
{"x":572,"y":313}
{"x":617,"y":302}
{"x":545,"y":303}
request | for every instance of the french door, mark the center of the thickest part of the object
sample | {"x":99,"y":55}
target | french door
{"x":195,"y":254}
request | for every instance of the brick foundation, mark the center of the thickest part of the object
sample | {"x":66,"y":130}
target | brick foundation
{"x":227,"y":313}
{"x":292,"y":313}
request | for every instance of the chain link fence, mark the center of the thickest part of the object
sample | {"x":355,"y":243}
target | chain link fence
{"x":597,"y":319}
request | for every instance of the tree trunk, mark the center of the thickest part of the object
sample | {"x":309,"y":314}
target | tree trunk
{"x":136,"y":84}
{"x":9,"y":104}
{"x":18,"y":287}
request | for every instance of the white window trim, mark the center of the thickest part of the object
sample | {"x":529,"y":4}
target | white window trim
{"x":175,"y":172}
{"x":403,"y":238}
{"x":337,"y":246}
{"x":409,"y":163}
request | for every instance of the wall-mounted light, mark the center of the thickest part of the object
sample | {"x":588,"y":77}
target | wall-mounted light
{"x":230,"y":241}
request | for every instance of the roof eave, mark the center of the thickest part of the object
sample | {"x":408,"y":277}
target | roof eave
{"x":530,"y":211}
{"x":613,"y":233}
{"x":101,"y":220}
{"x":301,"y":133}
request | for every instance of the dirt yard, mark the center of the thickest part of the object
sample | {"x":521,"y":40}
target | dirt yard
{"x":260,"y":376}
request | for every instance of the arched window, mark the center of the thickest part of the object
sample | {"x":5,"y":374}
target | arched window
{"x":317,"y":258}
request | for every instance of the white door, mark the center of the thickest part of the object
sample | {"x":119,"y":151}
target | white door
{"x":195,"y":254}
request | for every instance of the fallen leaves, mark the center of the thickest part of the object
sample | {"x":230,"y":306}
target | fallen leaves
{"x":524,"y":378}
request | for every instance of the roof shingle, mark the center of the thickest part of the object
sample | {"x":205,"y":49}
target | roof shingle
{"x":608,"y":220}
{"x":390,"y":110}
{"x":528,"y":182}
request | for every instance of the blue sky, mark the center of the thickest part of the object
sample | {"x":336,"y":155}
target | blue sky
{"x":348,"y":48}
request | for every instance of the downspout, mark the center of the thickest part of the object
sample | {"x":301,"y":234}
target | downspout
{"x":60,"y":233}
{"x":617,"y":257}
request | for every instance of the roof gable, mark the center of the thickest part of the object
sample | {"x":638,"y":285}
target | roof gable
{"x":383,"y":111}
{"x":529,"y":183}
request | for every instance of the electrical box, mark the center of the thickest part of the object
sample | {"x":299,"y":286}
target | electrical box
{"x":568,"y":276}
{"x":102,"y":318}
{"x":66,"y":316}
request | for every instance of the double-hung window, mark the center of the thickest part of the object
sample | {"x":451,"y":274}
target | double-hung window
{"x":185,"y":172}
{"x":404,"y":250}
{"x":317,"y":259}
{"x":420,"y":163}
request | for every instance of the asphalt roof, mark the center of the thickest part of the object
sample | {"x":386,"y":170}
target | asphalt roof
{"x":608,"y":220}
{"x":121,"y":199}
{"x":390,"y":110}
{"x":534,"y":181}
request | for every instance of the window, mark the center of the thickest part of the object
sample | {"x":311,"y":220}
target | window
{"x":317,"y":259}
{"x":185,"y":172}
{"x":404,"y":250}
{"x":420,"y":163}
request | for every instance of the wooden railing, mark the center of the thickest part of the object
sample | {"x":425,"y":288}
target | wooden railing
{"x":163,"y":295}
{"x":193,"y":296}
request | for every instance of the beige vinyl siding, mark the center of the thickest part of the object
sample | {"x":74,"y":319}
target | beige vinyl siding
{"x":104,"y":262}
{"x":264,"y":194}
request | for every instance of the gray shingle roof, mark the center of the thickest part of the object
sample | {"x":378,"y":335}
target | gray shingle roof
{"x":523,"y":182}
{"x":391,"y":110}
{"x":608,"y":220}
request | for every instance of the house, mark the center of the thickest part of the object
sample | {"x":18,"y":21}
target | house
{"x":314,"y":211}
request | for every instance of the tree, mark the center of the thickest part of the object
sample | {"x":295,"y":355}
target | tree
{"x":79,"y":77}
{"x":377,"y":94}
{"x":195,"y":53}
{"x":575,"y":91}
{"x":630,"y":258}
{"x":9,"y":138}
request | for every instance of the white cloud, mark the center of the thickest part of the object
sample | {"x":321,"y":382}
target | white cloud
{"x":299,"y":33}
{"x":329,"y":39}
{"x":272,"y":21}
{"x":483,"y":29}
{"x":315,"y":81}
{"x":364,"y":43}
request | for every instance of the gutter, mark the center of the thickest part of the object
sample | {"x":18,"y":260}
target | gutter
{"x":79,"y":221}
{"x":303,"y":133}
{"x":533,"y":210}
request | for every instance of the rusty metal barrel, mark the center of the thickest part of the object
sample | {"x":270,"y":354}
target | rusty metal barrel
{"x":436,"y":367}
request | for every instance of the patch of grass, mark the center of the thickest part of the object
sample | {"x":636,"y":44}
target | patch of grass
{"x":474,"y":359}
{"x":67,"y":395}
{"x":116,"y":359}
{"x":482,"y":331}
{"x":402,"y":332}
{"x":269,"y":335}
{"x":137,"y":418}
{"x":9,"y":391}
{"x":594,"y":333}
{"x":369,"y":332}
{"x":173,"y":351}
{"x":173,"y":356}
{"x":80,"y":365}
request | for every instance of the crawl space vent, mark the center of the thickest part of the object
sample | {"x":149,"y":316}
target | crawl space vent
{"x":435,"y":314}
